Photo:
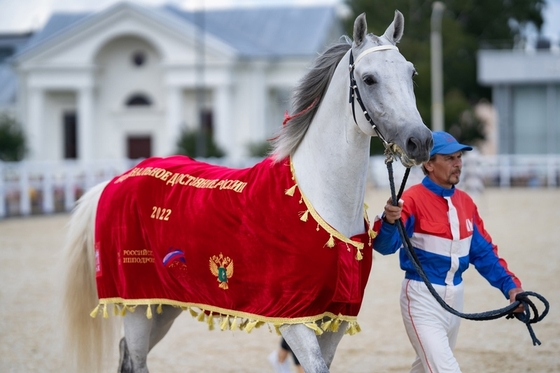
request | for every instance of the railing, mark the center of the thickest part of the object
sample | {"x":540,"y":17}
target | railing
{"x":28,"y":188}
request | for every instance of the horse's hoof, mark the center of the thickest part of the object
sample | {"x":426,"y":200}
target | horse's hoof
{"x":125,"y":365}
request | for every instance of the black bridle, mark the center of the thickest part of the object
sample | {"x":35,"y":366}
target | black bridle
{"x":355,"y":93}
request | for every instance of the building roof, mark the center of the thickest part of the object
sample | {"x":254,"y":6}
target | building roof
{"x":9,"y":45}
{"x":268,"y":32}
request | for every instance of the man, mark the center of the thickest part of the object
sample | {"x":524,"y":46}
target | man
{"x":447,"y":234}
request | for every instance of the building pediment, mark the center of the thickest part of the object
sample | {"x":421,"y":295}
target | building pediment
{"x":74,"y":41}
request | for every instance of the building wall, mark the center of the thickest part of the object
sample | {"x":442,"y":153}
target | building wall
{"x":526,"y":94}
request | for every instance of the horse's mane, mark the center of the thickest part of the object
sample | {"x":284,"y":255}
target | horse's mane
{"x":306,"y":98}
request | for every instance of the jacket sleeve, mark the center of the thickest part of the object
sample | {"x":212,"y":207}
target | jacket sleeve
{"x":388,"y":239}
{"x":484,"y":256}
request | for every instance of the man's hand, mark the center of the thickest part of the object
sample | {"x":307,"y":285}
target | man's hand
{"x":512,"y":294}
{"x":392,"y":213}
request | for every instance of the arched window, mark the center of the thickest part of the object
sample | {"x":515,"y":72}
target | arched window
{"x":138,"y":58}
{"x":138,"y":99}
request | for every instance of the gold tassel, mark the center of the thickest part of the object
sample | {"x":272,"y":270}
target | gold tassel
{"x":201,"y":316}
{"x":335,"y":325}
{"x":149,"y":312}
{"x":304,"y":216}
{"x":326,"y":324}
{"x":250,"y":326}
{"x":105,"y":313}
{"x":314,"y":327}
{"x":210,"y":321}
{"x":352,"y":329}
{"x":193,"y":312}
{"x":159,"y":309}
{"x":94,"y":312}
{"x":330,"y":242}
{"x":359,"y":255}
{"x":123,"y":310}
{"x":233,"y":324}
{"x":290,"y":192}
{"x":116,"y":310}
{"x":358,"y":329}
{"x":372,"y":234}
{"x":225,"y":323}
{"x":184,"y":308}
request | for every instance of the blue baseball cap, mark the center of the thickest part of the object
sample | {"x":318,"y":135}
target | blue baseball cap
{"x":444,"y":143}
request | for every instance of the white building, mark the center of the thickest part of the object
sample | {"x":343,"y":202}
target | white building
{"x":526,"y":95}
{"x":124,"y":82}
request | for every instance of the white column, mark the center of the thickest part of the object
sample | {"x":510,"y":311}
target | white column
{"x":259,"y":100}
{"x":173,"y":119}
{"x":35,"y":124}
{"x":223,"y":128}
{"x":86,"y":138}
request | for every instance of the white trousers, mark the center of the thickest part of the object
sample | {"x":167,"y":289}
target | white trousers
{"x":431,"y":329}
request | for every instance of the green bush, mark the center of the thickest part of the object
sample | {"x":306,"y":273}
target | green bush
{"x":188,"y":141}
{"x":259,"y":149}
{"x":12,"y":140}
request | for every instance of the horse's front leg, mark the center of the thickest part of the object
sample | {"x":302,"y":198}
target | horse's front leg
{"x":141,"y":335}
{"x":305,"y":346}
{"x":328,"y":342}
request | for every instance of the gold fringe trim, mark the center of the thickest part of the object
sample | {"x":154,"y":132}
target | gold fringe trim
{"x":227,"y":319}
{"x":304,"y":216}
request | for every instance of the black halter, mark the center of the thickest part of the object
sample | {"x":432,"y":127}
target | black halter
{"x":355,"y":94}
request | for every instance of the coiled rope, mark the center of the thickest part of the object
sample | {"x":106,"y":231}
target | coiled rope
{"x":529,"y":307}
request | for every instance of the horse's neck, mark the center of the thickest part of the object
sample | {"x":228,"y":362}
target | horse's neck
{"x":331,"y":163}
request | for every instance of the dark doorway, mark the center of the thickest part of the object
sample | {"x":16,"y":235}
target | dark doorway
{"x":139,"y":147}
{"x":70,"y":135}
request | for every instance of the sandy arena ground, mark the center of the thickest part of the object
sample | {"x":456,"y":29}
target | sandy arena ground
{"x":523,"y":222}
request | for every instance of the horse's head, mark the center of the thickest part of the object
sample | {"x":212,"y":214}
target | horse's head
{"x":384,"y":82}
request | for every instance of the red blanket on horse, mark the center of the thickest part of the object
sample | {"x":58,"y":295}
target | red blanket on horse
{"x":235,"y":243}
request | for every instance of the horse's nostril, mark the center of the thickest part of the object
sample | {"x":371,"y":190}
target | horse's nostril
{"x":413,"y":146}
{"x":430,"y":143}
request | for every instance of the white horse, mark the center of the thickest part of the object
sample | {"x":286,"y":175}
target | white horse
{"x":325,"y":146}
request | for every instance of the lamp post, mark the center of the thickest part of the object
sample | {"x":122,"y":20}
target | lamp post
{"x":436,"y":66}
{"x":201,"y":149}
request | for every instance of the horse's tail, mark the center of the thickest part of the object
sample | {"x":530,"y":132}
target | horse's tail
{"x":89,"y":340}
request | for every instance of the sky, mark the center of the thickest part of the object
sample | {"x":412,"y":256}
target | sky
{"x":28,"y":15}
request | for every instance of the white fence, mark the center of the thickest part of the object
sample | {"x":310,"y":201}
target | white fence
{"x":28,"y":188}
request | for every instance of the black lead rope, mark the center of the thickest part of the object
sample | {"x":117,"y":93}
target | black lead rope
{"x":520,"y":299}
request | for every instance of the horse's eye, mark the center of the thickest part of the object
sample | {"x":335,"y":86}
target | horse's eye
{"x":369,"y":80}
{"x":414,"y":73}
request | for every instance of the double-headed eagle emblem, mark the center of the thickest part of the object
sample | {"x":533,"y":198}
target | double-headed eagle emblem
{"x":222,"y":267}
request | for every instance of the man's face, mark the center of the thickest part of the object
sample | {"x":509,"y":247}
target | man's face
{"x":445,"y":169}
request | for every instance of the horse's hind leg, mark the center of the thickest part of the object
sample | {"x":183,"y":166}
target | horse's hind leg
{"x":141,"y":335}
{"x":328,"y":342}
{"x":305,"y":346}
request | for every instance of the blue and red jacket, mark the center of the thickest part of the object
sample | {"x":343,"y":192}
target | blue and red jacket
{"x":447,"y":234}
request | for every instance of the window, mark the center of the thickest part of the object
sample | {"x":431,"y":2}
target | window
{"x":138,"y":58}
{"x":138,"y":100}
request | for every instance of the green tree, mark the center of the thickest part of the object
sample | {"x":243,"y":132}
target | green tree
{"x":467,"y":26}
{"x":12,"y":140}
{"x":186,"y":144}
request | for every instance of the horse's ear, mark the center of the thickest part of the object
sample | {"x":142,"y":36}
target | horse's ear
{"x":360,"y":29}
{"x":395,"y":30}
